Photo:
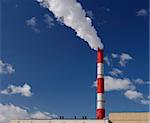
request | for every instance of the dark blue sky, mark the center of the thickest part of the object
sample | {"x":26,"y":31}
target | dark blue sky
{"x":61,"y":67}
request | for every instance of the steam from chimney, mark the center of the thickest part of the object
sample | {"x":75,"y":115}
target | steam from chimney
{"x":71,"y":13}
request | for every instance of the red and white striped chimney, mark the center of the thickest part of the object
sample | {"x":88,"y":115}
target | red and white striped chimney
{"x":100,"y":111}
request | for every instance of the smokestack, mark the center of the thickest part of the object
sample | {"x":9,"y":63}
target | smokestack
{"x":100,"y":111}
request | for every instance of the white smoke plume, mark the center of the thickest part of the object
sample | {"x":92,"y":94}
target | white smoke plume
{"x":71,"y":13}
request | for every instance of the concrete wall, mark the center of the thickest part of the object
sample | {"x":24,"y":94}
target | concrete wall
{"x":59,"y":121}
{"x":133,"y":117}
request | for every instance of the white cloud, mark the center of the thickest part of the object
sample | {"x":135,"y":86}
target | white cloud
{"x":107,"y":60}
{"x":142,"y":12}
{"x":6,"y":68}
{"x":49,"y":20}
{"x":114,"y":55}
{"x":10,"y":111}
{"x":133,"y":95}
{"x":145,"y":102}
{"x":124,"y":58}
{"x":138,"y":81}
{"x":90,"y":14}
{"x":148,"y":82}
{"x":116,"y":72}
{"x":32,"y":22}
{"x":25,"y":90}
{"x":42,"y":115}
{"x":115,"y":84}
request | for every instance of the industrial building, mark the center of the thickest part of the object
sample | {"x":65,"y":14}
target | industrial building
{"x":122,"y":117}
{"x":130,"y":117}
{"x":60,"y":121}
